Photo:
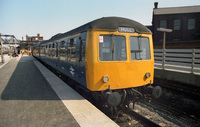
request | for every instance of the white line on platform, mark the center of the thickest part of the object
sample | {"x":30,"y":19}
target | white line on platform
{"x":83,"y":111}
{"x":3,"y":64}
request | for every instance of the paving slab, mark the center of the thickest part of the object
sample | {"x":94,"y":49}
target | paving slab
{"x":27,"y":99}
{"x":6,"y":59}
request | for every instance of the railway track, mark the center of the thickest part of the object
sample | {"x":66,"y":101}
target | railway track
{"x":168,"y":115}
{"x":179,"y":100}
{"x":143,"y":120}
{"x":175,"y":107}
{"x":179,"y":87}
{"x":175,"y":111}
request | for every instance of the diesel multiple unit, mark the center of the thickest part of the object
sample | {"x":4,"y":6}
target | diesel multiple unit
{"x":111,"y":57}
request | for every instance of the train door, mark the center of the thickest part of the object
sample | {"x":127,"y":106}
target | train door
{"x":81,"y":59}
{"x":82,"y":39}
{"x":49,"y":50}
{"x":57,"y":46}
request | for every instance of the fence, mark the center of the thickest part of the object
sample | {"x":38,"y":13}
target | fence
{"x":181,"y":60}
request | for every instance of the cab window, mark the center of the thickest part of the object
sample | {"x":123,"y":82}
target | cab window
{"x":140,"y":49}
{"x":112,"y":48}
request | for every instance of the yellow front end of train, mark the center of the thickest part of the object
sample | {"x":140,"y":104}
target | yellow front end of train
{"x":118,"y":59}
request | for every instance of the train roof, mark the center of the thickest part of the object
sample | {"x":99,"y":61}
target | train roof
{"x":109,"y":23}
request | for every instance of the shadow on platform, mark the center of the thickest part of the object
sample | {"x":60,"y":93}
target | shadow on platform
{"x":27,"y":83}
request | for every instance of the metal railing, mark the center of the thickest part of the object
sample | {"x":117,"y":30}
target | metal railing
{"x":182,"y":60}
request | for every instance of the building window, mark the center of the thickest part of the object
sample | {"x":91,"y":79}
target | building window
{"x":177,"y":24}
{"x":191,"y":24}
{"x":163,"y":24}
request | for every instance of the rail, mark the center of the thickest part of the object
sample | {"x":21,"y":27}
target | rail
{"x":146,"y":120}
{"x":181,"y":60}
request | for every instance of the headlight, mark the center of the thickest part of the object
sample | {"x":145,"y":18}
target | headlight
{"x":105,"y":79}
{"x":148,"y":75}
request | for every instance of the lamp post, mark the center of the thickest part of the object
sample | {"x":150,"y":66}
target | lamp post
{"x":2,"y":60}
{"x":9,"y":49}
{"x":164,"y":30}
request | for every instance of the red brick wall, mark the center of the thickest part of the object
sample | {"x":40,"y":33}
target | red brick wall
{"x":183,"y":34}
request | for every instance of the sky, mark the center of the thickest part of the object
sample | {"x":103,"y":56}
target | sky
{"x":50,"y":17}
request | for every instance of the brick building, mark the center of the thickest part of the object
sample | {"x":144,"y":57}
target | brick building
{"x":30,"y":42}
{"x":185,"y":23}
{"x":34,"y":38}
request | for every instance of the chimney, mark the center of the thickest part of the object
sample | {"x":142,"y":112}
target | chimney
{"x":155,"y":5}
{"x":27,"y":38}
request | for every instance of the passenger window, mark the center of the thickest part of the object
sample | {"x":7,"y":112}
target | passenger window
{"x":62,"y":49}
{"x":112,"y":48}
{"x":71,"y":42}
{"x":71,"y":50}
{"x":140,"y":48}
{"x":62,"y":44}
{"x":56,"y":46}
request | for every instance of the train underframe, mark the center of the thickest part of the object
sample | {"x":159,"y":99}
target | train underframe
{"x":122,"y":98}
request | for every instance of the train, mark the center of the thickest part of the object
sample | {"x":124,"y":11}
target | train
{"x":111,"y":58}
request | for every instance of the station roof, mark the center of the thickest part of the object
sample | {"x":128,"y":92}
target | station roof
{"x":177,"y":10}
{"x":109,"y":23}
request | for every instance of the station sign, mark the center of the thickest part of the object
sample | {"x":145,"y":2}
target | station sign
{"x":164,"y":30}
{"x":126,"y":29}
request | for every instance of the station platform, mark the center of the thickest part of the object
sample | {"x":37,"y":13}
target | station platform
{"x":32,"y":96}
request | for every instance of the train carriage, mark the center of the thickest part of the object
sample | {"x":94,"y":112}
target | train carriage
{"x":112,"y":57}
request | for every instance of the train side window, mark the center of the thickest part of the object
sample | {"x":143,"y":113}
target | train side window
{"x":71,"y":42}
{"x":140,"y":48}
{"x":62,"y":49}
{"x":112,"y":48}
{"x":63,"y":44}
{"x":71,"y":50}
{"x":56,"y":48}
{"x":73,"y":47}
